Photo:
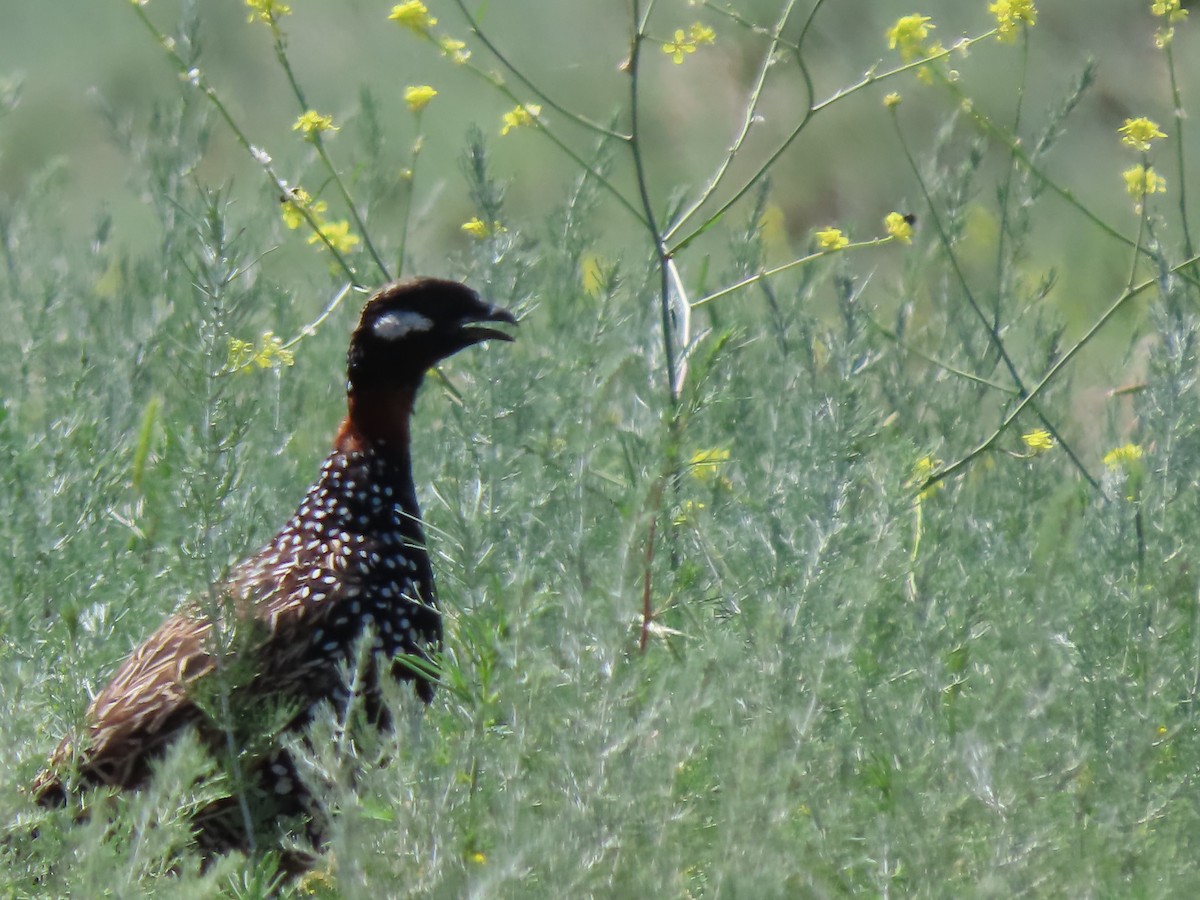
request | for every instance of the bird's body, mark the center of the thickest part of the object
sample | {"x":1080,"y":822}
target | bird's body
{"x":274,"y":639}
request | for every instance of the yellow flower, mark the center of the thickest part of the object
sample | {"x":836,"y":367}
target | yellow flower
{"x":413,"y":15}
{"x":336,"y":234}
{"x":1123,"y":457}
{"x":832,"y":239}
{"x":702,"y":34}
{"x":456,"y":50}
{"x":267,"y":10}
{"x":1172,"y":9}
{"x":479,"y":229}
{"x":1011,"y":13}
{"x":899,"y":226}
{"x":892,"y":100}
{"x":689,"y":510}
{"x":705,"y":465}
{"x":922,"y":469}
{"x":520,"y":117}
{"x":299,"y":199}
{"x":1039,"y":440}
{"x":312,"y":122}
{"x":908,"y":35}
{"x":679,"y":47}
{"x":478,"y":858}
{"x":1174,"y":13}
{"x":1142,"y":180}
{"x":1126,"y":462}
{"x":476,"y":228}
{"x":270,"y":353}
{"x":418,"y":96}
{"x":1138,"y":133}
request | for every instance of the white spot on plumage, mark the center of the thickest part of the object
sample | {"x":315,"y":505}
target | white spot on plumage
{"x":394,"y":325}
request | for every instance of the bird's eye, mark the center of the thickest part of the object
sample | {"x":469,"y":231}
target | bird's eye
{"x":394,"y":325}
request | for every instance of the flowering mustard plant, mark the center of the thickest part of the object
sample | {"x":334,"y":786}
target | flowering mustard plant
{"x":1138,"y":133}
{"x":311,"y":123}
{"x":1142,"y":180}
{"x":268,"y":353}
{"x":267,"y":11}
{"x":297,"y":201}
{"x":1173,"y":12}
{"x":418,"y":96}
{"x":832,"y":239}
{"x":334,"y":234}
{"x":413,"y":15}
{"x":899,"y":227}
{"x":1011,"y":13}
{"x":522,"y":116}
{"x":1038,"y":441}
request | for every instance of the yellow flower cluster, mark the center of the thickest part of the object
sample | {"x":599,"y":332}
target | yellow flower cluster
{"x":456,"y":50}
{"x":418,"y":96}
{"x":922,"y":470}
{"x":1123,"y":457}
{"x":268,"y":353}
{"x":1138,"y":133}
{"x":1173,"y":12}
{"x":299,"y":200}
{"x":1011,"y":13}
{"x":335,"y":234}
{"x":267,"y":11}
{"x":1142,"y":180}
{"x":1038,"y":441}
{"x":685,"y":42}
{"x":899,"y":226}
{"x":479,"y":229}
{"x":413,"y":15}
{"x":908,"y":36}
{"x":520,"y":117}
{"x":312,"y":123}
{"x":705,"y":465}
{"x":832,"y":239}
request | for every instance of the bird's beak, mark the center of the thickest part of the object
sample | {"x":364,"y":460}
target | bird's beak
{"x":477,"y":333}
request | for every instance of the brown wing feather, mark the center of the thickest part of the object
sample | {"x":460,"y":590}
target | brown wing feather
{"x":149,"y":699}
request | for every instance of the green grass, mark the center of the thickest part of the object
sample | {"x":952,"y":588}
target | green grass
{"x":848,"y":686}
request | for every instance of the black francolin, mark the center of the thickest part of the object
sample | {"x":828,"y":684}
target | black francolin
{"x":351,"y":561}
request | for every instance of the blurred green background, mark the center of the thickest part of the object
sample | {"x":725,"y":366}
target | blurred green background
{"x":74,"y":59}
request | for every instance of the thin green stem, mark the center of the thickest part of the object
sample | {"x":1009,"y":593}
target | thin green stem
{"x":1177,"y":102}
{"x":814,"y":109}
{"x":1051,"y":374}
{"x":992,"y":332}
{"x":575,"y":117}
{"x":639,"y":164}
{"x":319,"y":144}
{"x":941,"y":364}
{"x":196,"y":78}
{"x":767,"y":273}
{"x":412,"y":180}
{"x":748,"y":118}
{"x":1006,"y":192}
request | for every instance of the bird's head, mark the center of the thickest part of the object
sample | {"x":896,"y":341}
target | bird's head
{"x":408,"y":327}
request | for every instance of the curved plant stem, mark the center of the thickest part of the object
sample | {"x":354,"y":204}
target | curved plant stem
{"x":1177,"y":101}
{"x":1050,"y":375}
{"x":748,"y":119}
{"x":575,"y":117}
{"x":992,"y":332}
{"x":319,"y":144}
{"x":196,"y":78}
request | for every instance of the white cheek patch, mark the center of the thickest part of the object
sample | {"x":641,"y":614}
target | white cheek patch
{"x":394,"y":325}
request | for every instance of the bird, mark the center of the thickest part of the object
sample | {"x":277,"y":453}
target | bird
{"x":349,"y":569}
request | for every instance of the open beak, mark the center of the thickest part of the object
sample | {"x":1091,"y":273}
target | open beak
{"x":476,"y":333}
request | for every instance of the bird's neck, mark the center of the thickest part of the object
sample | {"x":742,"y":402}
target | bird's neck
{"x":377,"y":419}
